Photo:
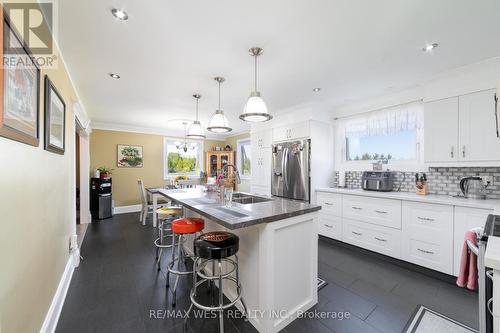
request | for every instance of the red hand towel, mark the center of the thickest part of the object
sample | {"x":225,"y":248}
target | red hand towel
{"x":467,"y":276}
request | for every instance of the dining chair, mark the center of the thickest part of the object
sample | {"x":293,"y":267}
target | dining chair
{"x":147,"y":205}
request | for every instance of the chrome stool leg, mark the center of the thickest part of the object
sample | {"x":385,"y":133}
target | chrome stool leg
{"x":221,"y":299}
{"x":238,"y":286}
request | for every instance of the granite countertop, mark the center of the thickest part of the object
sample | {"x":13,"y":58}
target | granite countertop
{"x":430,"y":198}
{"x":208,"y":204}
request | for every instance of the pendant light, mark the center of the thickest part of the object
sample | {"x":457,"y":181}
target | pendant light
{"x":218,"y":123}
{"x":195,"y":130}
{"x":255,"y":109}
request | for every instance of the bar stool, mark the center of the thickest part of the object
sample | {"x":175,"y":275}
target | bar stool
{"x":165,"y":216}
{"x":216,"y":248}
{"x":180,"y":228}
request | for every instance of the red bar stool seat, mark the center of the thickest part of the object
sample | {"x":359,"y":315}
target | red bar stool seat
{"x":187,"y":225}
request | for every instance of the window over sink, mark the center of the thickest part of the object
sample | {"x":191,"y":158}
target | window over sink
{"x":393,"y":134}
{"x":182,"y":157}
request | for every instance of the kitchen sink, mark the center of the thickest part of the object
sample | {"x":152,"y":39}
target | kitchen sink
{"x":245,"y":198}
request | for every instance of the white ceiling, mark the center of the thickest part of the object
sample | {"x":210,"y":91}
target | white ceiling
{"x":352,"y":49}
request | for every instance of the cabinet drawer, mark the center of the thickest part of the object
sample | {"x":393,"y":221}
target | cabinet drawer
{"x":383,"y":212}
{"x":428,"y":235}
{"x":330,"y":203}
{"x":372,"y":237}
{"x":330,"y":225}
{"x":428,"y":220}
{"x":430,"y":255}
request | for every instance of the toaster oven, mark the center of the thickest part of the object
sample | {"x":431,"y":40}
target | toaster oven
{"x":382,"y":181}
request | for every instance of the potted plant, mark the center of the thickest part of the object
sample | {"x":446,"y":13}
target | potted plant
{"x":104,"y":172}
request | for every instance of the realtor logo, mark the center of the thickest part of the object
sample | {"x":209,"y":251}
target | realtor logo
{"x":34,"y":23}
{"x":29,"y":28}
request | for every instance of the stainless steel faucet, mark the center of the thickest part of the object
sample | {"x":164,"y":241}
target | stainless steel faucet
{"x":221,"y":186}
{"x":236,"y":172}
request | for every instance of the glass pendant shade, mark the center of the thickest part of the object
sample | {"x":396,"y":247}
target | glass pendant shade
{"x":195,"y":130}
{"x":218,"y":123}
{"x":255,"y":109}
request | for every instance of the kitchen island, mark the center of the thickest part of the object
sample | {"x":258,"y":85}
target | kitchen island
{"x":277,"y":255}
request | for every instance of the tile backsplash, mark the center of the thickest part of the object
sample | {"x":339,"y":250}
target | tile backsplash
{"x":440,"y":180}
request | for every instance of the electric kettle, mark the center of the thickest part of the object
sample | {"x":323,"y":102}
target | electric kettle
{"x":473,"y":187}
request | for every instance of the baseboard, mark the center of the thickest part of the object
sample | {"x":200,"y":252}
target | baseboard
{"x":52,"y":317}
{"x":127,"y":209}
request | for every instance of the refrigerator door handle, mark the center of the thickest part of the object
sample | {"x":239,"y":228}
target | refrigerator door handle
{"x":284,"y":165}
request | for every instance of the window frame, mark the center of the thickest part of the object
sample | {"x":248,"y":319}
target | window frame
{"x":201,"y":151}
{"x":342,"y":163}
{"x":239,"y":160}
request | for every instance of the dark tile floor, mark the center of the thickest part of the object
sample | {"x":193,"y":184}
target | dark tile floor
{"x":117,"y":286}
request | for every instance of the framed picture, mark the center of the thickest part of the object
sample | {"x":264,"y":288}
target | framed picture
{"x":129,"y":156}
{"x":20,"y":96}
{"x":55,"y":117}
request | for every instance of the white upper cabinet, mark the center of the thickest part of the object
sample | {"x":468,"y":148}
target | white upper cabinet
{"x":477,"y":127}
{"x":461,"y":129}
{"x":261,"y":162}
{"x":441,"y":130}
{"x":291,"y":132}
{"x":261,"y":139}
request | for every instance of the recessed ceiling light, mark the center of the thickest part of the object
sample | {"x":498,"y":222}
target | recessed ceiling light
{"x":114,"y":76}
{"x":430,"y":47}
{"x":119,"y":14}
{"x":316,"y":89}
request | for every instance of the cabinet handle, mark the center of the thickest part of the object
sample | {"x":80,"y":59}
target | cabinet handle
{"x":425,"y":251}
{"x":463,"y":151}
{"x":380,"y":212}
{"x":328,"y":225}
{"x":427,"y":219}
{"x":380,"y":239}
{"x":328,"y":204}
{"x":357,"y":233}
{"x":452,"y":152}
{"x":357,"y":208}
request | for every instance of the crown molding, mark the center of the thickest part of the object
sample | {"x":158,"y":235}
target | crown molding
{"x":145,"y":130}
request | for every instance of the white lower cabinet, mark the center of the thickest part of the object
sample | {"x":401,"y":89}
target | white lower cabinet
{"x":372,"y":237}
{"x":427,"y":235}
{"x":330,"y":225}
{"x":465,"y":219}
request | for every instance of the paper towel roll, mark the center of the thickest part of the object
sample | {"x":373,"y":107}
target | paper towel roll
{"x":342,"y":178}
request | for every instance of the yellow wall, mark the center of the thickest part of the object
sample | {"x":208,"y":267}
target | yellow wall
{"x":36,"y":204}
{"x":103,"y":153}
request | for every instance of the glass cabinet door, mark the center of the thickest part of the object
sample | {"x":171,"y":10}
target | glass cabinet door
{"x":224,"y":160}
{"x":213,"y":165}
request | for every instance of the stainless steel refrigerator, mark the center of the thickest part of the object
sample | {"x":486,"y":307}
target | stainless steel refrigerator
{"x":291,"y":170}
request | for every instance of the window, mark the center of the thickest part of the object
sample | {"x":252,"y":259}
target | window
{"x":398,"y":146}
{"x":389,"y":134}
{"x":244,"y":157}
{"x":179,"y":162}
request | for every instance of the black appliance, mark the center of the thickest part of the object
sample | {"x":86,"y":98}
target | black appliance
{"x":382,"y":181}
{"x":101,"y":198}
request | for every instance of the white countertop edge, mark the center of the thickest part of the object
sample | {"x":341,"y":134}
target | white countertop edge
{"x":493,"y":204}
{"x":492,"y":255}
